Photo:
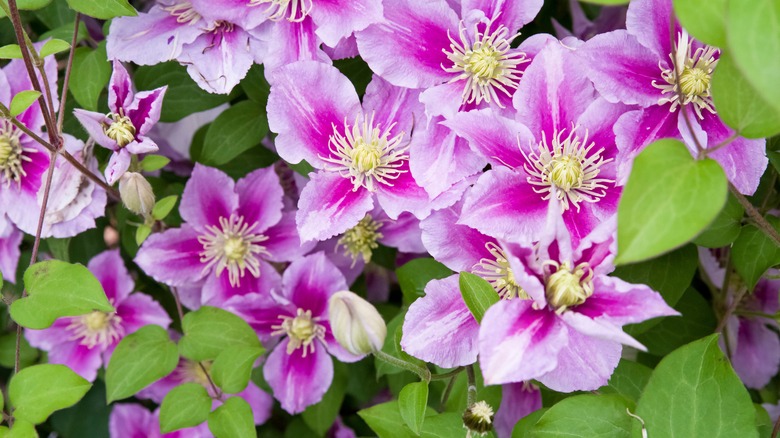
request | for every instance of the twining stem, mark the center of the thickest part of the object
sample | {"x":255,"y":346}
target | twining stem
{"x":759,"y":220}
{"x":68,"y":68}
{"x":447,"y":375}
{"x":424,"y":373}
{"x":776,"y":429}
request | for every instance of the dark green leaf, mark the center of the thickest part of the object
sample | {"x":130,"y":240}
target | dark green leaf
{"x":90,"y":75}
{"x":477,"y":293}
{"x":414,"y":275}
{"x":236,"y":130}
{"x":320,"y":417}
{"x":36,"y":392}
{"x":255,"y":86}
{"x":413,"y":403}
{"x":723,"y":231}
{"x":386,"y":421}
{"x":697,"y":320}
{"x":628,"y":379}
{"x":754,"y":252}
{"x":586,"y":415}
{"x":186,"y":405}
{"x":523,"y":427}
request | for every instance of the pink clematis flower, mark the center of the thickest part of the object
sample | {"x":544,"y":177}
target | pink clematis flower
{"x":217,"y":53}
{"x":359,"y":151}
{"x":231,"y":232}
{"x":560,"y":141}
{"x":636,"y":66}
{"x":85,"y":343}
{"x":123,"y":130}
{"x":10,"y":239}
{"x":518,"y":400}
{"x":130,"y":420}
{"x":295,"y":318}
{"x":568,"y":334}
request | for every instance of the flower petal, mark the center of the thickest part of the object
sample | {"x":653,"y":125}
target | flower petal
{"x":283,"y":242}
{"x":260,"y":198}
{"x":298,"y":381}
{"x":623,"y":303}
{"x":208,"y":196}
{"x":217,"y":288}
{"x":309,"y":282}
{"x":337,"y":19}
{"x":110,"y":270}
{"x":494,"y":137}
{"x":456,"y":246}
{"x":585,"y":364}
{"x":328,"y":206}
{"x":172,"y":257}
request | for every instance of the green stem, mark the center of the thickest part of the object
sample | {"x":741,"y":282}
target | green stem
{"x":448,"y":374}
{"x":424,"y":373}
{"x":472,"y":391}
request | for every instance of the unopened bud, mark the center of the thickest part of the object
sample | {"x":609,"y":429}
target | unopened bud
{"x":356,"y":324}
{"x":478,"y":419}
{"x":136,"y":193}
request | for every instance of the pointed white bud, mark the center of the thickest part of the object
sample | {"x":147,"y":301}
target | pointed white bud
{"x":356,"y":324}
{"x":136,"y":193}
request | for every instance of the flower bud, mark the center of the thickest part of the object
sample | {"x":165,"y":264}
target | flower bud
{"x":478,"y":419}
{"x":356,"y":324}
{"x":136,"y":193}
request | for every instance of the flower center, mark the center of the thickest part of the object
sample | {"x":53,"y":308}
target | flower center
{"x":233,"y":246}
{"x":570,"y":166}
{"x":12,"y":155}
{"x":96,"y":328}
{"x":488,"y":64}
{"x":478,"y":419}
{"x":366,"y":154}
{"x":277,"y":9}
{"x":498,"y":273}
{"x":121,"y":128}
{"x":361,"y":239}
{"x":302,"y":330}
{"x":568,"y":287}
{"x":695,"y":70}
{"x":184,"y":12}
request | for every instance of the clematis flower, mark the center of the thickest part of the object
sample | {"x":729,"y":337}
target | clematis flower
{"x":636,"y":66}
{"x":295,"y":318}
{"x":85,"y":343}
{"x":750,"y":339}
{"x":463,"y":61}
{"x":123,"y":130}
{"x":568,"y":334}
{"x":217,"y":53}
{"x":518,"y":400}
{"x":560,"y":142}
{"x":231,"y":232}
{"x":10,"y":239}
{"x":359,"y":152}
{"x":131,"y":420}
{"x":188,"y":371}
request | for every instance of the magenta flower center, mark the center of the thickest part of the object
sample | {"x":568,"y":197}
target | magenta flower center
{"x":361,"y":240}
{"x":12,"y":155}
{"x":366,"y":154}
{"x":569,"y":165}
{"x":278,"y":9}
{"x":566,"y":287}
{"x":121,"y":128}
{"x":301,"y":329}
{"x":96,"y":328}
{"x":488,"y":64}
{"x":184,"y":13}
{"x":499,"y":274}
{"x":694,"y":69}
{"x":234,"y":246}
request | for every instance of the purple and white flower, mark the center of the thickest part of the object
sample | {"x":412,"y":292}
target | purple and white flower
{"x":131,"y":420}
{"x":10,"y":239}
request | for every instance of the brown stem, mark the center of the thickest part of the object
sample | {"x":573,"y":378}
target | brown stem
{"x":759,"y":220}
{"x":776,"y":429}
{"x":68,"y":69}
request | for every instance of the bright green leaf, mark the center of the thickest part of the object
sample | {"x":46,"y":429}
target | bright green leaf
{"x":694,"y":392}
{"x":412,"y":403}
{"x":232,"y":368}
{"x":186,"y":405}
{"x":58,"y":289}
{"x":151,"y":163}
{"x":141,"y":233}
{"x":39,"y":390}
{"x":414,"y":275}
{"x":586,"y":415}
{"x":754,"y":252}
{"x":232,"y":420}
{"x":724,"y":230}
{"x":163,"y":207}
{"x":386,"y":421}
{"x":103,"y":9}
{"x":25,"y":5}
{"x":669,"y":199}
{"x":236,"y":130}
{"x":11,"y":51}
{"x":90,"y":75}
{"x":23,"y":429}
{"x":208,"y":331}
{"x":477,"y":293}
{"x":523,"y":427}
{"x":140,"y":359}
{"x":704,"y":19}
{"x":53,"y":46}
{"x":22,"y":101}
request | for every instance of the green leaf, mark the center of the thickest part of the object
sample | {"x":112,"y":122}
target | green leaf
{"x":25,"y":5}
{"x":669,"y":199}
{"x":27,"y":354}
{"x":58,"y":289}
{"x":628,"y":380}
{"x":386,"y":421}
{"x":704,"y":19}
{"x":184,"y":96}
{"x":103,"y":9}
{"x":232,"y":420}
{"x":163,"y":207}
{"x":752,"y":41}
{"x":141,"y":233}
{"x":320,"y":417}
{"x":523,"y":427}
{"x":478,"y":294}
{"x":446,"y":425}
{"x":87,"y":418}
{"x":186,"y":405}
{"x":255,"y":86}
{"x":754,"y":253}
{"x":392,"y":346}
{"x":53,"y":46}
{"x":208,"y":331}
{"x":741,"y":106}
{"x":22,"y":101}
{"x":412,"y":403}
{"x":140,"y":359}
{"x":414,"y":275}
{"x":11,"y":51}
{"x":39,"y":390}
{"x":232,"y":368}
{"x":696,"y":382}
{"x":151,"y":163}
{"x":90,"y":75}
{"x":302,"y":168}
{"x":697,"y":321}
{"x":59,"y":248}
{"x":23,"y":429}
{"x":724,"y":230}
{"x":236,"y":130}
{"x":586,"y":415}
